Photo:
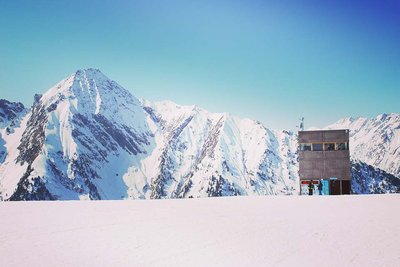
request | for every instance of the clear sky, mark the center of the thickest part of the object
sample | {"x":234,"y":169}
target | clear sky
{"x":273,"y":61}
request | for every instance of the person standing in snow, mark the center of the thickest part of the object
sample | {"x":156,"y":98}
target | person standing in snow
{"x":310,"y":188}
{"x":320,"y":186}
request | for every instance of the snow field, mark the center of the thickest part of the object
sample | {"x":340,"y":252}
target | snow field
{"x":231,"y":231}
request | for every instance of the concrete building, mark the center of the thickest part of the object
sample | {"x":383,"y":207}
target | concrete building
{"x":325,"y":155}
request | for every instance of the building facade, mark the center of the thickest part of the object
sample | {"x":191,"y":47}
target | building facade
{"x":324,"y":157}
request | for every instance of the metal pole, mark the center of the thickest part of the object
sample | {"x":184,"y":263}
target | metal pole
{"x":300,"y":188}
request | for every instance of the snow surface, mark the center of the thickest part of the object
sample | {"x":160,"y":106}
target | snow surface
{"x":234,"y":231}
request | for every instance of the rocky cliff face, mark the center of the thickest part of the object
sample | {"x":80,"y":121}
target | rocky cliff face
{"x":10,"y":118}
{"x":369,"y":180}
{"x":10,"y":114}
{"x":89,"y":138}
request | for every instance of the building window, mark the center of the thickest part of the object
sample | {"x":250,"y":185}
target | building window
{"x":329,"y":146}
{"x":305,"y":147}
{"x":317,"y":147}
{"x":342,"y":146}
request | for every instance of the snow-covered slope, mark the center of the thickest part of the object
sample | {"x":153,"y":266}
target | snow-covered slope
{"x":89,"y":138}
{"x":230,"y":231}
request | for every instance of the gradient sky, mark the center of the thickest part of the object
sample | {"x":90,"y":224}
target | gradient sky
{"x":273,"y":61}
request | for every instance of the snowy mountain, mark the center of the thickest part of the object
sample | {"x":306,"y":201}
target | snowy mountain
{"x":375,"y":152}
{"x":374,"y":141}
{"x":208,"y":154}
{"x":77,"y":141}
{"x":89,"y":138}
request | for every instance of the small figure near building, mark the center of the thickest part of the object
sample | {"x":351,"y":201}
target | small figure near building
{"x":320,"y":186}
{"x":310,"y":188}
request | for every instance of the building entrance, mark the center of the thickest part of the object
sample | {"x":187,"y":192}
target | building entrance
{"x":346,"y":187}
{"x":304,"y":187}
{"x":334,"y":186}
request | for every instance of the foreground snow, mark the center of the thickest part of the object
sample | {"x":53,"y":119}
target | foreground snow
{"x":234,"y":231}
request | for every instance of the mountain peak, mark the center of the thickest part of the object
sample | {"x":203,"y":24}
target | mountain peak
{"x":90,"y":73}
{"x":84,"y":79}
{"x":387,"y":116}
{"x":89,"y":91}
{"x":89,"y":70}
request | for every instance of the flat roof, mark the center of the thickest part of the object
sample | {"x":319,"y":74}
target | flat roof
{"x":315,"y":131}
{"x":341,"y":135}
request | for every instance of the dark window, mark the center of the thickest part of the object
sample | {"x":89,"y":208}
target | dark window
{"x":305,"y":147}
{"x":329,"y":147}
{"x":342,"y":146}
{"x":317,"y":147}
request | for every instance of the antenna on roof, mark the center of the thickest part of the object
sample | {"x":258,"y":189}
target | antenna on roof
{"x":301,"y":126}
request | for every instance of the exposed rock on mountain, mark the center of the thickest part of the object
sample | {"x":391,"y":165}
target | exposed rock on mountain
{"x":369,"y":180}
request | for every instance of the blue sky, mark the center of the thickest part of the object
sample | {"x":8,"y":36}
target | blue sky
{"x":273,"y":61}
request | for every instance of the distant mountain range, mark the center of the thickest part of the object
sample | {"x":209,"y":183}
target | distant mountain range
{"x":89,"y":138}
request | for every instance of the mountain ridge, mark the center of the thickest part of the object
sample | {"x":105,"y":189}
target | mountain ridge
{"x":89,"y":138}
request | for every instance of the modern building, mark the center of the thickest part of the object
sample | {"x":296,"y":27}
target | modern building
{"x":325,"y":155}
